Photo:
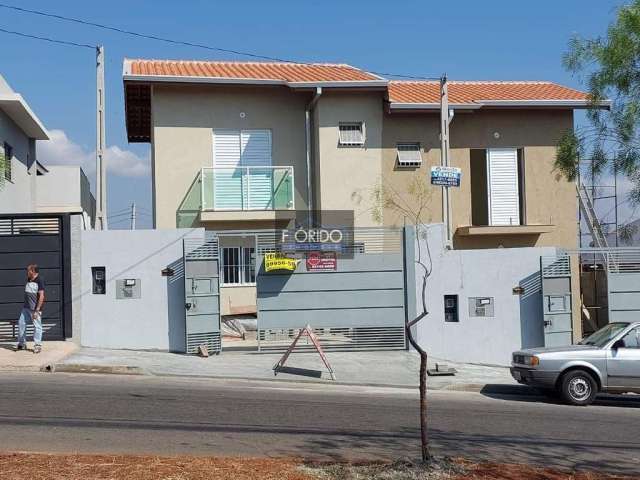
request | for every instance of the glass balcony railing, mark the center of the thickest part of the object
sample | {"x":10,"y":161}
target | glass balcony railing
{"x":247,"y":188}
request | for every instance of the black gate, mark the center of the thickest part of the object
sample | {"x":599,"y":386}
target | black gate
{"x":44,"y":240}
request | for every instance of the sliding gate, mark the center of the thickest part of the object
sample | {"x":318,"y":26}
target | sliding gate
{"x":355,"y":302}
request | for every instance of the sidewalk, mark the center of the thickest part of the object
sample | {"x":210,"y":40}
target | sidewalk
{"x":26,"y":360}
{"x":388,"y":368}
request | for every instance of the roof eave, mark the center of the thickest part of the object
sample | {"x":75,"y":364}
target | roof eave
{"x":430,"y":106}
{"x":605,"y":104}
{"x":19,"y":111}
{"x":252,"y":81}
{"x":568,"y":103}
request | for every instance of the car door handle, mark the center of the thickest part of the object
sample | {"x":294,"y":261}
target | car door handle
{"x":187,"y":306}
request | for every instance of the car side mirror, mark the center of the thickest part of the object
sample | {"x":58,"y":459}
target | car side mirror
{"x":618,"y":344}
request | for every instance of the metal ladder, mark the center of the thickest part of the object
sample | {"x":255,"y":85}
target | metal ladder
{"x":595,"y":229}
{"x":586,"y":206}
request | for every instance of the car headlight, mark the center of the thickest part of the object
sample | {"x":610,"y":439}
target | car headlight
{"x":534,"y":361}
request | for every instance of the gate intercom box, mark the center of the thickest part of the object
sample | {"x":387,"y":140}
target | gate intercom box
{"x":128,"y":288}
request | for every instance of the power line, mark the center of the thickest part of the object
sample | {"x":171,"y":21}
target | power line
{"x":48,"y":39}
{"x":188,"y":44}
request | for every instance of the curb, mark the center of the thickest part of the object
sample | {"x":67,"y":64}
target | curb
{"x":100,"y":369}
{"x":498,"y":389}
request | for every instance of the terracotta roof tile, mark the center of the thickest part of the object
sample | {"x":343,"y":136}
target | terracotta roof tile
{"x":284,"y":72}
{"x":475,"y":92}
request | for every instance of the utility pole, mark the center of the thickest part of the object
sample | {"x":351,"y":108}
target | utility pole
{"x":444,"y":157}
{"x":133,"y":216}
{"x":101,"y":170}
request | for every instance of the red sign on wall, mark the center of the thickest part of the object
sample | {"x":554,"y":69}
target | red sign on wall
{"x":321,"y":261}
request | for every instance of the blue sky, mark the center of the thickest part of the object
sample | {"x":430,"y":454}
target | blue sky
{"x":467,"y":39}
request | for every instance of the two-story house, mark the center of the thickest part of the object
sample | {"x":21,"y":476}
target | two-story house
{"x":237,"y":145}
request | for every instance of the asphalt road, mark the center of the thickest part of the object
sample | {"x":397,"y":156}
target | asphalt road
{"x":137,"y":414}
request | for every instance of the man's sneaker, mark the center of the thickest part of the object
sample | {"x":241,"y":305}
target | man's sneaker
{"x":20,"y":347}
{"x":37,"y":349}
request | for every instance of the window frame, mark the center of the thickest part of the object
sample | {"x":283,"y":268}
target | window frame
{"x":456,"y":308}
{"x":244,"y":268}
{"x":636,"y":332}
{"x":408,"y":163}
{"x":8,"y":161}
{"x":348,"y":144}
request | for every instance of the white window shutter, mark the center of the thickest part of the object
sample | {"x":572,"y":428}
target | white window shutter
{"x":256,"y":152}
{"x":256,"y":148}
{"x":504,"y":195}
{"x":227,"y":179}
{"x":226,"y":148}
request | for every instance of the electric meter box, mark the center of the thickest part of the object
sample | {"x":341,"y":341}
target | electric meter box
{"x":128,"y":288}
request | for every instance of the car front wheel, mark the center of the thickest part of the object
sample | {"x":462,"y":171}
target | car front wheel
{"x":578,"y":388}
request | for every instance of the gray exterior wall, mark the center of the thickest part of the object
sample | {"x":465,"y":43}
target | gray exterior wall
{"x":155,"y":321}
{"x":65,"y":188}
{"x":517,"y":320}
{"x":19,"y":194}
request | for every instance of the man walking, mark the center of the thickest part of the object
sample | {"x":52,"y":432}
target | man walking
{"x":32,"y":309}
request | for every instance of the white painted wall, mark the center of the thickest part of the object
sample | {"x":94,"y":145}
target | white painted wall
{"x":517,"y":320}
{"x":156,"y":320}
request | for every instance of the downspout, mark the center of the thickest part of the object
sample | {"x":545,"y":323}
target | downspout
{"x":307,"y":124}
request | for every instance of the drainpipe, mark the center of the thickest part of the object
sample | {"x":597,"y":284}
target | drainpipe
{"x":307,"y":124}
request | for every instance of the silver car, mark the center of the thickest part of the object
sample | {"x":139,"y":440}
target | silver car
{"x":607,"y":361}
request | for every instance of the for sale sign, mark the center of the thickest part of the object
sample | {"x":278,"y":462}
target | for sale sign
{"x":446,"y":176}
{"x":321,"y":261}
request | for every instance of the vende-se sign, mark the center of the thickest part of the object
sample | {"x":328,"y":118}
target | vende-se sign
{"x":446,"y":176}
{"x":321,"y":261}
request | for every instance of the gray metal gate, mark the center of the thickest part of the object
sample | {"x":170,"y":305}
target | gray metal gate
{"x":43,"y":240}
{"x":358,"y":306}
{"x":202,"y":295}
{"x":623,"y":280}
{"x":556,"y":298}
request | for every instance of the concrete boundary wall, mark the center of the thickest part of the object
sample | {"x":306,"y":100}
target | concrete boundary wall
{"x":517,"y":319}
{"x":156,"y":320}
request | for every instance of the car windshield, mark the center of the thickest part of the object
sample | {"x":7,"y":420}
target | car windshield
{"x":602,"y":336}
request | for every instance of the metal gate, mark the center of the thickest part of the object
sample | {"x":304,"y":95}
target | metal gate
{"x":623,"y":280}
{"x":359,"y":305}
{"x":43,"y":240}
{"x":202,"y":295}
{"x":556,"y":298}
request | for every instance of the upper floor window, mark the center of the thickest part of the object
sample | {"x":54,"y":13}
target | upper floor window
{"x":409,"y":155}
{"x":351,"y":134}
{"x":8,"y":157}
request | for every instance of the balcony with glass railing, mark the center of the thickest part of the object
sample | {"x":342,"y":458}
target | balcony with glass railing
{"x":241,"y":193}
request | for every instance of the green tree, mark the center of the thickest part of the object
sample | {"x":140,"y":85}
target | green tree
{"x":610,"y":67}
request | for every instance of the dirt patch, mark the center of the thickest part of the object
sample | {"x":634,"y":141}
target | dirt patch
{"x":501,"y":471}
{"x":446,"y":469}
{"x":18,"y":466}
{"x":115,"y":467}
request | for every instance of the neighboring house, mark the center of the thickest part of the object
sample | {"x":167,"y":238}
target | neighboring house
{"x":238,"y":145}
{"x":19,"y":130}
{"x":29,"y":186}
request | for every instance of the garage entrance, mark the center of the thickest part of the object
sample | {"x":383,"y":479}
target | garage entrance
{"x":43,"y":240}
{"x":353,"y":299}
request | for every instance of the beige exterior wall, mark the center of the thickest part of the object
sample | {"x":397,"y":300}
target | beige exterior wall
{"x":346,"y":176}
{"x":549,"y":198}
{"x":183,"y":119}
